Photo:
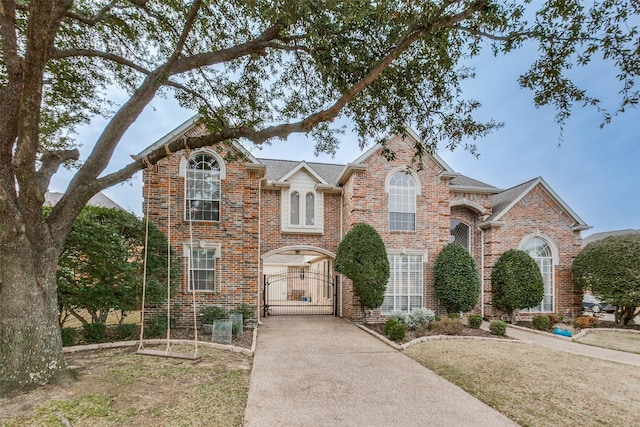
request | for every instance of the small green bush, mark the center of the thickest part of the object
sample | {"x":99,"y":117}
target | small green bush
{"x":453,"y":315}
{"x":396,"y":330}
{"x":126,"y":331}
{"x":246,"y":310}
{"x":156,"y":327}
{"x":541,"y":323}
{"x":474,"y":321}
{"x":209,"y":313}
{"x":438,"y":318}
{"x":94,"y":332}
{"x":498,"y":327}
{"x":446,"y":326}
{"x":388,"y":324}
{"x":68,"y":337}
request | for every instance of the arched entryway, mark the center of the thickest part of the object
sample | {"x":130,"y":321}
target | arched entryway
{"x":299,"y":280}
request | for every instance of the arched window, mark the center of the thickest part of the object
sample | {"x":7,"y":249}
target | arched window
{"x":295,"y":208}
{"x":540,"y":250}
{"x":310,"y":210}
{"x":460,"y":233}
{"x":402,"y":202}
{"x":202,"y":188}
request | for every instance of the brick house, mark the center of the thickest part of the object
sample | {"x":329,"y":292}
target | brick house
{"x":265,"y":232}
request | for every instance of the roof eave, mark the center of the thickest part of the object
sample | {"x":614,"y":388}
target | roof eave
{"x":474,"y":189}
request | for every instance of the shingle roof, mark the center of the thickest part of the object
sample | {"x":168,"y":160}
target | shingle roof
{"x":465,"y":181}
{"x":99,"y":200}
{"x":502,"y":200}
{"x":276,"y":169}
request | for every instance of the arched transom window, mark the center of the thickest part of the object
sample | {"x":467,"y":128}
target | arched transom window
{"x":460,"y":234}
{"x":202,"y":191}
{"x":540,"y":250}
{"x":402,"y":202}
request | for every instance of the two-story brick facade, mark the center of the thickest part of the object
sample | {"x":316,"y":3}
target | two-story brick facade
{"x":265,"y":231}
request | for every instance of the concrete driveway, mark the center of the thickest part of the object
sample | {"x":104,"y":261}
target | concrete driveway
{"x":322,"y":370}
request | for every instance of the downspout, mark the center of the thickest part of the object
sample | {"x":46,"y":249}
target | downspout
{"x":481,"y":272}
{"x":259,"y":243}
{"x":341,"y":236}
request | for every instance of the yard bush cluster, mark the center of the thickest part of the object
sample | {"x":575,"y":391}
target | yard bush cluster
{"x":541,"y":323}
{"x":447,"y":326}
{"x":416,"y":319}
{"x":584,"y":322}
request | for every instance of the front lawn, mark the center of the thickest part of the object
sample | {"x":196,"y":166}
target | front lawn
{"x":616,"y":340}
{"x":537,"y":386}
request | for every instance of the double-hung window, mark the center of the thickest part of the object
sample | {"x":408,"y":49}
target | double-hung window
{"x":202,"y":192}
{"x":402,"y":202}
{"x":405,"y":286}
{"x":202,"y":269}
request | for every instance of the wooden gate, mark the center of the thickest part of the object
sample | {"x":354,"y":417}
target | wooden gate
{"x":299,"y":291}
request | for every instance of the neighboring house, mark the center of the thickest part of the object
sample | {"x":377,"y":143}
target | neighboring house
{"x":265,"y":232}
{"x":99,"y":200}
{"x":603,"y":235}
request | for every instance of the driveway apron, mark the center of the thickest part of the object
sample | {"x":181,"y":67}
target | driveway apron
{"x":322,"y":370}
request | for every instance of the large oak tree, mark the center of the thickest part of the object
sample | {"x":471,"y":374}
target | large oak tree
{"x":254,"y":70}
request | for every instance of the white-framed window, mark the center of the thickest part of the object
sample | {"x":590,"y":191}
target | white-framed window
{"x":309,"y":209}
{"x":405,"y":286}
{"x":541,"y":251}
{"x":299,"y":205}
{"x":402,"y":202}
{"x":202,"y":188}
{"x":201,"y":262}
{"x":461,"y":234}
{"x":295,"y":208}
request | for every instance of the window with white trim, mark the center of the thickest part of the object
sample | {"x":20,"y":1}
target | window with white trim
{"x":540,"y":250}
{"x":460,"y":234}
{"x":295,"y":208}
{"x":402,"y":202}
{"x":310,"y":209}
{"x":405,"y":286}
{"x":202,"y":269}
{"x":202,"y":188}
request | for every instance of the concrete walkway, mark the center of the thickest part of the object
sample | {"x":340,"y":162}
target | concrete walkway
{"x":561,"y":343}
{"x":316,"y":371}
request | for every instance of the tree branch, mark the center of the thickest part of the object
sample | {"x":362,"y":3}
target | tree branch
{"x":50,"y":161}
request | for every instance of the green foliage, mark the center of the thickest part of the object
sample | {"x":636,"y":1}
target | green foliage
{"x":456,"y":279}
{"x":94,"y":332}
{"x":399,"y":315}
{"x":68,"y":337}
{"x":453,"y":315}
{"x":516,"y":282}
{"x":419,"y":318}
{"x":126,"y":331}
{"x":474,"y":321}
{"x":446,"y":326}
{"x":394,"y":329}
{"x":498,"y":327}
{"x":610,"y":269}
{"x":156,"y":326}
{"x":246,"y":310}
{"x":101,"y":266}
{"x":209,"y":313}
{"x":362,"y":257}
{"x":541,"y":323}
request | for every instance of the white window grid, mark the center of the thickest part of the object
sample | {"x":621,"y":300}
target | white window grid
{"x":402,"y":202}
{"x":405,"y":286}
{"x":202,"y":192}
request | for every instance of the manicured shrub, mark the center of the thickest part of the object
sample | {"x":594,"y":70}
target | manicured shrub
{"x":498,"y":327}
{"x":446,"y":326}
{"x":516,"y":282}
{"x":388,"y":324}
{"x":68,"y":337}
{"x":396,"y":330}
{"x":126,"y":331}
{"x":584,"y":322}
{"x":94,"y":332}
{"x":474,"y":321}
{"x":419,"y":317}
{"x":362,"y":257}
{"x":456,"y":279}
{"x":399,"y":315}
{"x":453,"y":315}
{"x":541,"y":323}
{"x":156,"y":327}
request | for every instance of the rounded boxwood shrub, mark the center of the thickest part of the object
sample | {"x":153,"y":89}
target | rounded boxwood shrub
{"x":498,"y":327}
{"x":68,"y":337}
{"x":541,"y":323}
{"x":516,"y":282}
{"x":474,"y":321}
{"x":95,"y":332}
{"x":396,"y":331}
{"x":126,"y":331}
{"x":456,"y":279}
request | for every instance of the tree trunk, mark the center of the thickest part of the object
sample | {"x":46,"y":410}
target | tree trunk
{"x":30,"y":340}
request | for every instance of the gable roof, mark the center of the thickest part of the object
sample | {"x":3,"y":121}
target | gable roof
{"x":502,"y":202}
{"x":465,"y":184}
{"x":99,"y":200}
{"x":280,"y":170}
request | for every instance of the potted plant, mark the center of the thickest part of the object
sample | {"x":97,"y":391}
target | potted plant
{"x":208,"y":314}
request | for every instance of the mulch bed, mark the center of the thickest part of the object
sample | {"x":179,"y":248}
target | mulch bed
{"x":411,"y":335}
{"x":603,"y":324}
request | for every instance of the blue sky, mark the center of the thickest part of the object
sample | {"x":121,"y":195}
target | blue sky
{"x":595,"y":171}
